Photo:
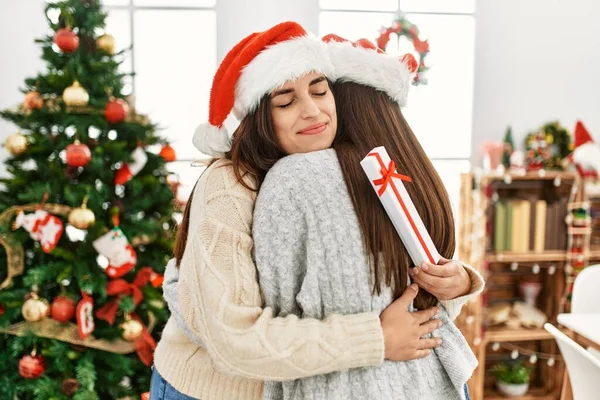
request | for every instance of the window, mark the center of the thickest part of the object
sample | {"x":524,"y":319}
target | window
{"x":174,"y":57}
{"x":440,"y":113}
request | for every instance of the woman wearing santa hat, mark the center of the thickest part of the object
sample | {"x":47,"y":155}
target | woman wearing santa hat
{"x":222,"y":344}
{"x":325,"y":245}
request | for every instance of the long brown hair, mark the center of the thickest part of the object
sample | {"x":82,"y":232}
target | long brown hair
{"x":368,"y":118}
{"x":254,"y":150}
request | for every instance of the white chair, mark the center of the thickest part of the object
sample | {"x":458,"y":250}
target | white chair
{"x":586,"y":296}
{"x":584,"y":368}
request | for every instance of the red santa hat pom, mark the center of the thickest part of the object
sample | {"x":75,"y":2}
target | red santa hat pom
{"x":257,"y":65}
{"x":212,"y":140}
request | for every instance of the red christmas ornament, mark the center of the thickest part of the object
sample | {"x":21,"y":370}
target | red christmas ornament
{"x":1,"y":310}
{"x":33,"y":101}
{"x":66,"y":40}
{"x":63,"y":309}
{"x":168,"y":153}
{"x":78,"y":154}
{"x":116,"y":110}
{"x":32,"y":366}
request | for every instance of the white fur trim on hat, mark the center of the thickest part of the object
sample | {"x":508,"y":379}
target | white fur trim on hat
{"x":277,"y":64}
{"x":212,"y":140}
{"x":588,"y":156}
{"x":365,"y":66}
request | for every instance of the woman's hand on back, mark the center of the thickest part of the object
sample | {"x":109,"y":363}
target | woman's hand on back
{"x":403,"y":331}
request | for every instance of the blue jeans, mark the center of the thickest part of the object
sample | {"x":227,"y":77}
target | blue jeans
{"x":160,"y":389}
{"x":466,"y":392}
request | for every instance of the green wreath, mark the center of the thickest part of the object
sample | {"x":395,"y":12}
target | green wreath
{"x":403,"y":27}
{"x":548,"y":147}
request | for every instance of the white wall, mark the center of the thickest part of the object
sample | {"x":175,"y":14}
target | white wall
{"x":21,"y":21}
{"x":237,"y":19}
{"x":536,"y":61}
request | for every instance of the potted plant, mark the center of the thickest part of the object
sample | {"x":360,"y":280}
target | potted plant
{"x":512,"y":379}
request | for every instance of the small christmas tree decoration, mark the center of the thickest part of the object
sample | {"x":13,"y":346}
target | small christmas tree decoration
{"x":168,"y":153}
{"x":132,"y":329}
{"x":129,"y":170}
{"x":35,"y":308}
{"x":509,"y":147}
{"x":82,"y":217}
{"x":62,"y":309}
{"x":85,"y":316}
{"x":70,"y":386}
{"x":66,"y":40}
{"x":33,"y":101}
{"x":76,"y":96}
{"x":116,"y":111}
{"x":16,"y":144}
{"x":32,"y":366}
{"x":106,"y":43}
{"x":78,"y":154}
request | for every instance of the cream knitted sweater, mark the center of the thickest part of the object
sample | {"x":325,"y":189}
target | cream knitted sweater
{"x":219,"y":295}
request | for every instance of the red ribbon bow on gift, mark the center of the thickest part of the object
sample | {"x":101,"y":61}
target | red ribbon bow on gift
{"x":120,"y":288}
{"x":387,"y":174}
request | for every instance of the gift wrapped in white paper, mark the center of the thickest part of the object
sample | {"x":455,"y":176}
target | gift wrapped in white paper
{"x":399,"y":206}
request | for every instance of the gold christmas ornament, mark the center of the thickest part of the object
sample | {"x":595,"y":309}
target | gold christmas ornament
{"x":82,"y":217}
{"x":106,"y":43}
{"x":132,"y":329}
{"x":35,"y":309}
{"x":16,"y":144}
{"x":75,"y":95}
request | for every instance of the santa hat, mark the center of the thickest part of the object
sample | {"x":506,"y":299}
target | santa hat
{"x":363,"y":62}
{"x":582,"y":136}
{"x":259,"y":64}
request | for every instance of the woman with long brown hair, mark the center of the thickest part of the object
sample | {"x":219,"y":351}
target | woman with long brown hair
{"x":324,"y":244}
{"x":221,"y":343}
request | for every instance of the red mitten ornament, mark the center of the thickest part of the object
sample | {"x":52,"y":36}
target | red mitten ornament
{"x":121,"y":255}
{"x":85,"y":316}
{"x":42,"y":226}
{"x":129,"y":170}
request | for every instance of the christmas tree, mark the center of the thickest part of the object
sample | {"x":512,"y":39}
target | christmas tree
{"x":86,"y":224}
{"x":509,"y":147}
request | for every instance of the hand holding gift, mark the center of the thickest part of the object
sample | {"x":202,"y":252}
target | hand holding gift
{"x":447,"y":280}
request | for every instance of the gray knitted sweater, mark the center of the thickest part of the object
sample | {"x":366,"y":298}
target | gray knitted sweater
{"x":312,"y":263}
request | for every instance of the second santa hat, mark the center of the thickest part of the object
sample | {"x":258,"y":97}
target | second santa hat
{"x":259,"y":64}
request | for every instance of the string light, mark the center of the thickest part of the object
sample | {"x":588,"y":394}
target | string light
{"x":551,"y":270}
{"x":516,"y":351}
{"x":477,"y":341}
{"x":470,"y":319}
{"x":533,"y":359}
{"x":507,"y":179}
{"x":514,"y":266}
{"x":536,"y":269}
